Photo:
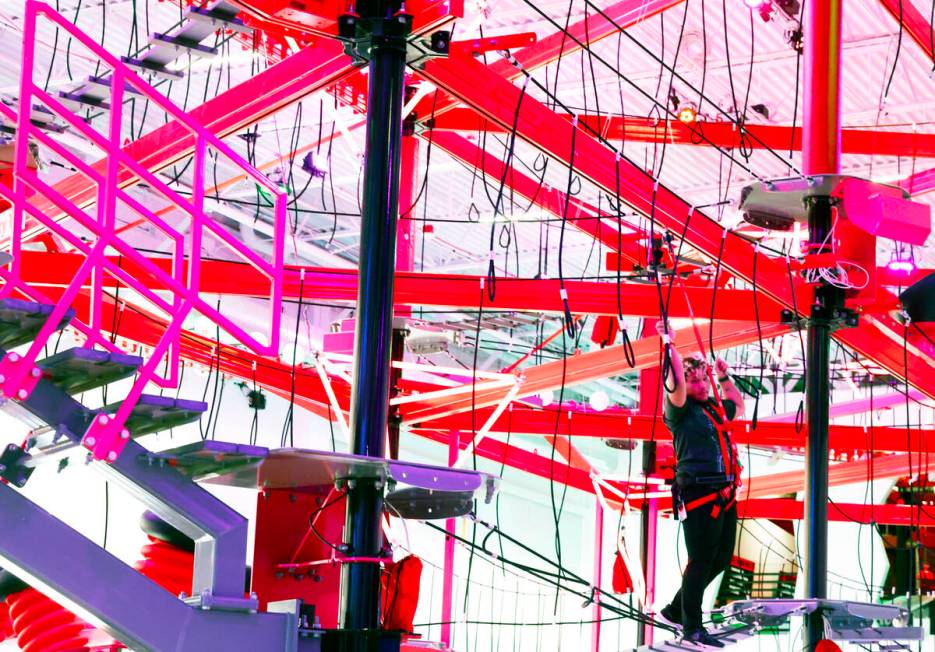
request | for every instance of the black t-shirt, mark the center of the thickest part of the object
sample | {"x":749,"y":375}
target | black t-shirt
{"x":696,"y":440}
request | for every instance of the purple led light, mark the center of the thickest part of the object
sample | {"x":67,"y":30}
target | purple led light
{"x":905,"y":266}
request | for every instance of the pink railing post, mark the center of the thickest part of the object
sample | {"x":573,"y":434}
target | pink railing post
{"x":448,"y":582}
{"x":19,"y":374}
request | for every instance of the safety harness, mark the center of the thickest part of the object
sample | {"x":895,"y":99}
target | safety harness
{"x":725,"y":497}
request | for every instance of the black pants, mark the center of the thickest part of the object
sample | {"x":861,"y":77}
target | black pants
{"x":710,"y":544}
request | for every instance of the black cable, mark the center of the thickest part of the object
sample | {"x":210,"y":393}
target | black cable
{"x":289,"y":424}
{"x":759,"y":335}
{"x":318,"y":510}
{"x":569,"y":319}
{"x":497,"y":210}
{"x":899,"y":45}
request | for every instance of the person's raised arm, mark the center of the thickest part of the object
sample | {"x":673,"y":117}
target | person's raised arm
{"x":728,"y":389}
{"x":675,"y":379}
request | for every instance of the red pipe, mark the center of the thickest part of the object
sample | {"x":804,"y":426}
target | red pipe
{"x":821,"y":127}
{"x":42,"y":625}
{"x":168,"y":566}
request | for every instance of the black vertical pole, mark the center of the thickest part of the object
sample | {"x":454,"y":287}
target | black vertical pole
{"x":387,"y":29}
{"x":821,"y":154}
{"x":818,"y":393}
{"x":646,"y":542}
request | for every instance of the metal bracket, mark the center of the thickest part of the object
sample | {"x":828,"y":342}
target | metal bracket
{"x":206,"y":600}
{"x":361,"y":33}
{"x":12,"y":465}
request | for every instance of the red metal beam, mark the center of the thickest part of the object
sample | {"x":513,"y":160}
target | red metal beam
{"x":792,"y":510}
{"x":579,"y":213}
{"x":710,"y":134}
{"x":625,"y":424}
{"x":548,"y":49}
{"x":552,"y":134}
{"x":305,"y":72}
{"x":309,"y":70}
{"x":915,"y":25}
{"x":43,"y":269}
{"x":582,"y":368}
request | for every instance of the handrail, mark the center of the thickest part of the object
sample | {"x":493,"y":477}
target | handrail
{"x":98,"y":234}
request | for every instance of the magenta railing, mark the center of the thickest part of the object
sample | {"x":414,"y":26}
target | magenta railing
{"x":19,"y":374}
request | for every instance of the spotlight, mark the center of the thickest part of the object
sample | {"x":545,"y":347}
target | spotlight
{"x":546,"y":396}
{"x":599,"y":401}
{"x":688,"y":114}
{"x":902,"y":260}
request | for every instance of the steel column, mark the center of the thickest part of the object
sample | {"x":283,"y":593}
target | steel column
{"x":360,"y":582}
{"x":454,"y":439}
{"x":821,"y":154}
{"x":650,"y":404}
{"x":598,"y":555}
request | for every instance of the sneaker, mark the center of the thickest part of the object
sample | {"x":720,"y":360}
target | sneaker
{"x":700,"y":636}
{"x":670,"y":616}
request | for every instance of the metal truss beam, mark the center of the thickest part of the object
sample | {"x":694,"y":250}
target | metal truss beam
{"x":709,"y":134}
{"x":582,"y":215}
{"x":549,"y":49}
{"x":789,"y":509}
{"x":42,"y":269}
{"x":585,"y":367}
{"x":915,"y":25}
{"x":624,"y":424}
{"x":552,"y":135}
{"x":305,"y":72}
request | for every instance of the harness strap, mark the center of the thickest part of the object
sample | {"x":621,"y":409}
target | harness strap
{"x":698,"y":502}
{"x":720,"y":426}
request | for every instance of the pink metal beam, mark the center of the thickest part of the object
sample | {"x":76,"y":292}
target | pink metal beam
{"x":789,"y":509}
{"x":582,"y":368}
{"x":625,"y":424}
{"x":552,"y":135}
{"x":579,"y":213}
{"x":914,"y":24}
{"x":43,"y":269}
{"x":860,"y":406}
{"x":625,"y":13}
{"x":721,"y":134}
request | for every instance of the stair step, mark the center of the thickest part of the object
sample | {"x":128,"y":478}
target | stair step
{"x":170,"y":46}
{"x":85,"y":99}
{"x":79,"y":370}
{"x":217,"y":19}
{"x":155,"y":68}
{"x":21,"y":321}
{"x":157,"y":413}
{"x":210,"y":458}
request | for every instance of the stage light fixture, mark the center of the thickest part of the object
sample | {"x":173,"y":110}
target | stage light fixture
{"x":902,"y":260}
{"x":688,"y":114}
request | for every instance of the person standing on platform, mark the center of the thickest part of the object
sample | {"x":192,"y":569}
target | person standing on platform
{"x":706,"y":479}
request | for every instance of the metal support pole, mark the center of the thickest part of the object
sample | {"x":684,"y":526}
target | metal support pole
{"x":360,"y":582}
{"x":821,"y":154}
{"x":598,"y":558}
{"x":405,"y":257}
{"x":448,"y":581}
{"x":650,"y":403}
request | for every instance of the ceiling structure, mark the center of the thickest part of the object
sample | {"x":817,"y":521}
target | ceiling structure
{"x":492,"y":185}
